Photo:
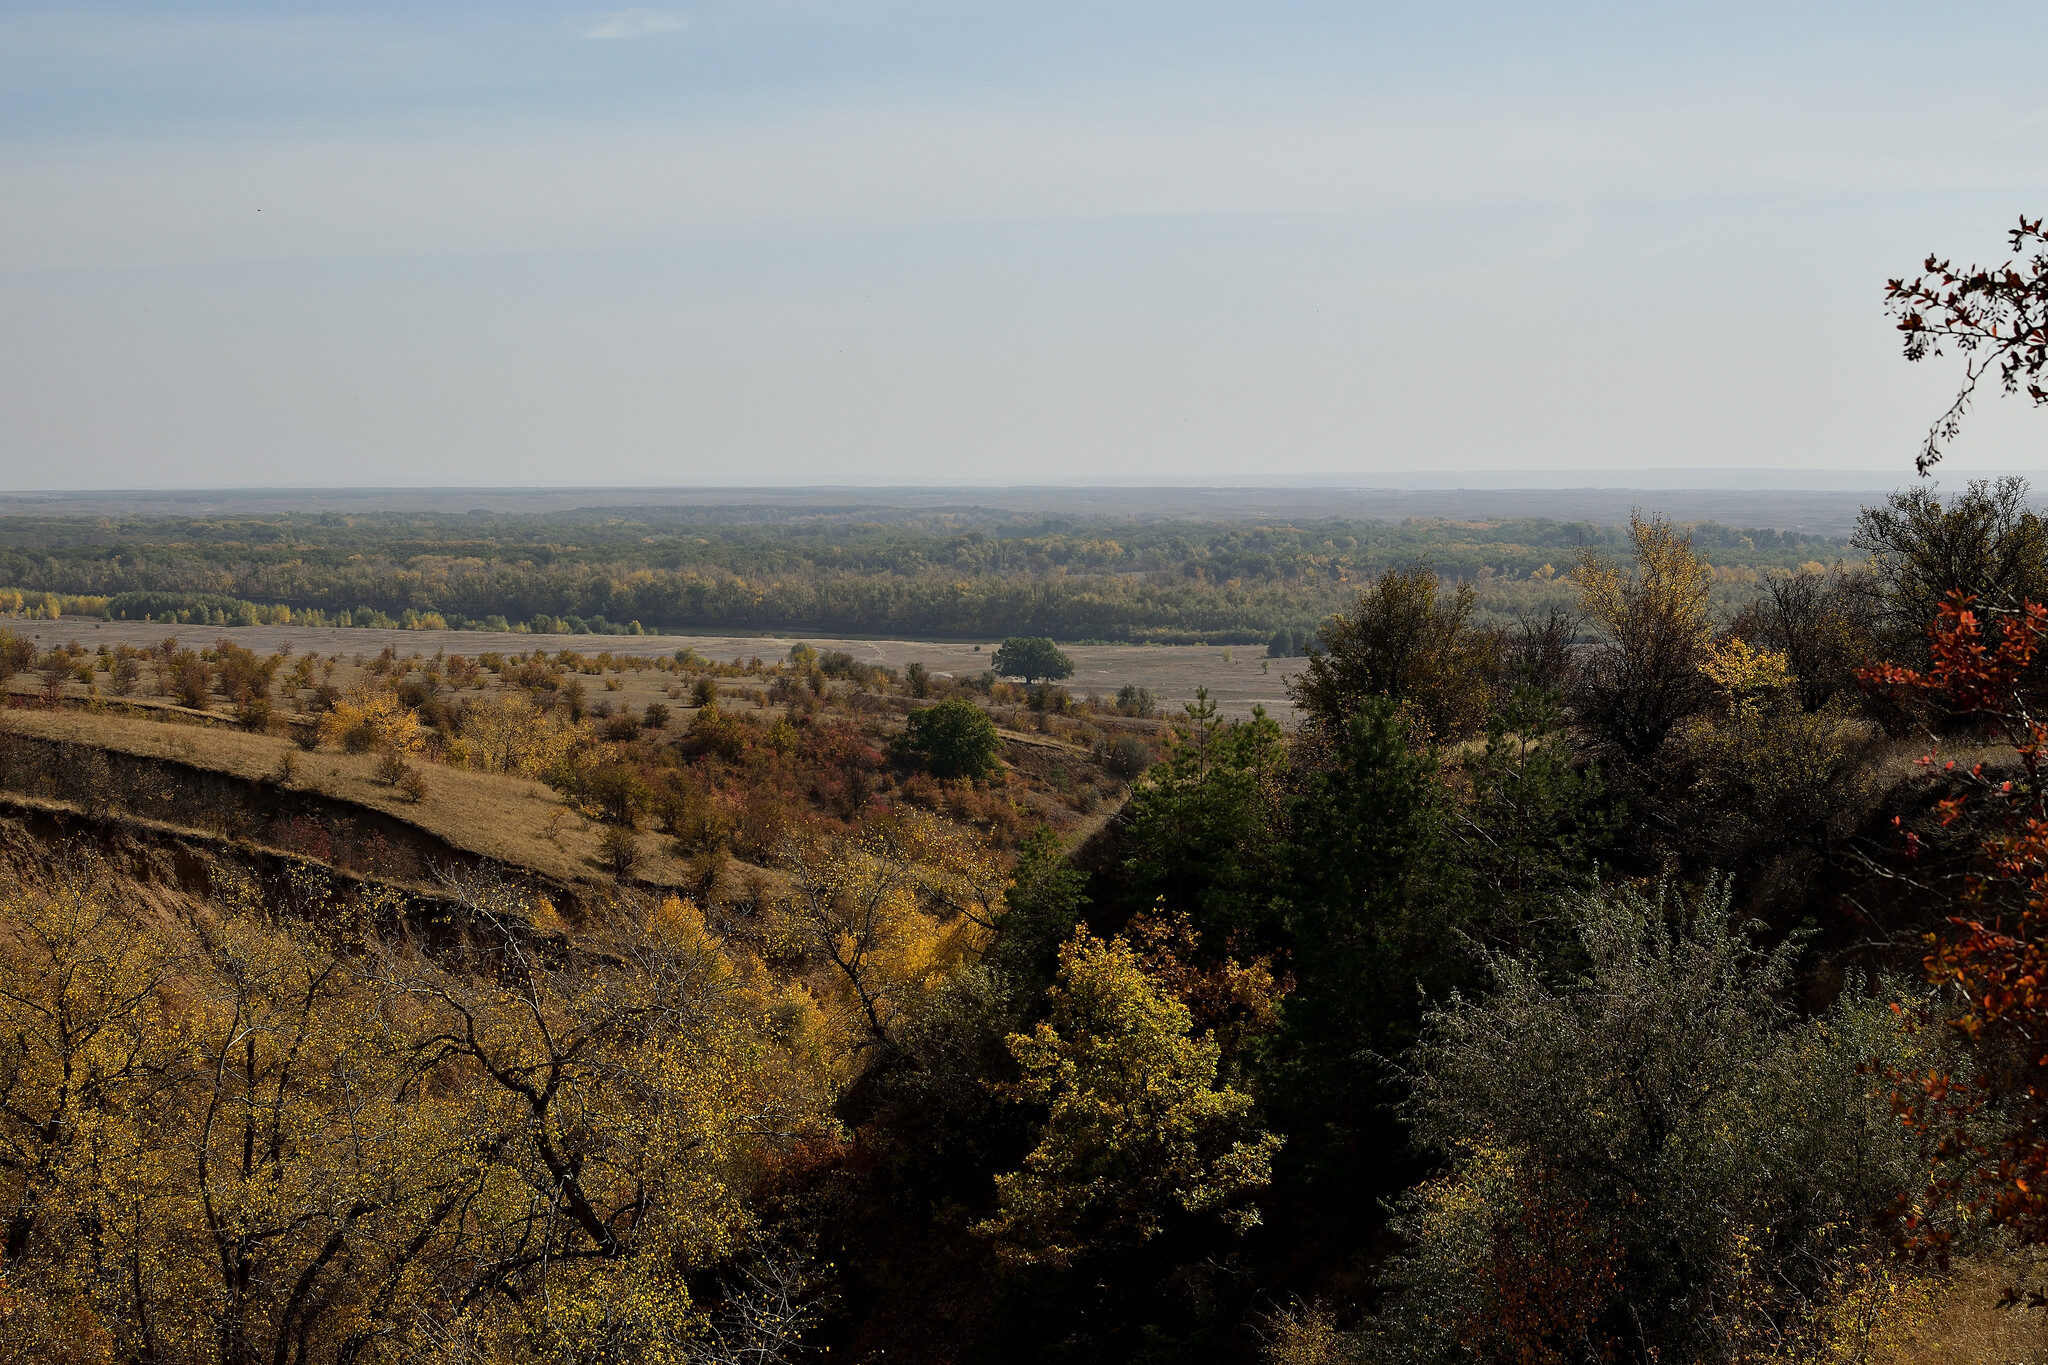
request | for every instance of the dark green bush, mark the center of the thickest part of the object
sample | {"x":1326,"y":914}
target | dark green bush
{"x":952,"y":739}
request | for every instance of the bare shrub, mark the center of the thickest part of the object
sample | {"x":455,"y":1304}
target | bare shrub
{"x":618,"y":850}
{"x":392,"y":767}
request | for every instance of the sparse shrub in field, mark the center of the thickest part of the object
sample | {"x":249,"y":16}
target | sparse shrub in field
{"x":953,"y":739}
{"x":1127,"y":756}
{"x":421,"y":691}
{"x":391,"y":767}
{"x":371,"y":717}
{"x":689,"y":814}
{"x":56,"y":672}
{"x":616,"y":793}
{"x":192,"y":681}
{"x":241,"y":672}
{"x":1052,"y":700}
{"x":618,"y":849}
{"x":16,"y":653}
{"x":655,"y":717}
{"x":413,"y":786}
{"x":622,"y":728}
{"x":704,"y":692}
{"x":1133,"y":700}
{"x":919,"y":679}
{"x":253,"y":714}
{"x":508,"y":734}
{"x":124,"y":675}
{"x":287,"y":768}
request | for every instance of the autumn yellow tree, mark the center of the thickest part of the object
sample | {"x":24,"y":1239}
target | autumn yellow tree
{"x":1658,"y":625}
{"x":371,"y":717}
{"x":86,"y":1045}
{"x":885,"y":915}
{"x":1137,"y":1130}
{"x":509,"y":734}
{"x":624,"y":1091}
{"x":238,"y":1135}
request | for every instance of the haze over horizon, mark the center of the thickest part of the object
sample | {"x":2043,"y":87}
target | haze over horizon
{"x":709,"y":243}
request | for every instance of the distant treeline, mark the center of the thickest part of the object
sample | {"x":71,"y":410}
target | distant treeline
{"x":941,"y":574}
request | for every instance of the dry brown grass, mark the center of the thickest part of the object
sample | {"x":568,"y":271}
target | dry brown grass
{"x":1171,"y":671}
{"x":509,"y":819}
{"x":1963,"y":1325}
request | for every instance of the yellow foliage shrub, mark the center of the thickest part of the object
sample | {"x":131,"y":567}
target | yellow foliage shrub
{"x":371,"y":717}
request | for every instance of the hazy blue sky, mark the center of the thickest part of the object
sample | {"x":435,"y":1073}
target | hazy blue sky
{"x":727,"y":241}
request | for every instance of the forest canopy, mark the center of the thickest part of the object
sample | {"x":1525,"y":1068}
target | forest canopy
{"x":964,"y":576}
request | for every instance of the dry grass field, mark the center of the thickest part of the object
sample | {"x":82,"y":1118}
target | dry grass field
{"x":511,"y":820}
{"x":1963,"y":1324}
{"x":1238,"y":677}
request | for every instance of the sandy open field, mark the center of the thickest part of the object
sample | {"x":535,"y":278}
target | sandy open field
{"x":1238,"y":677}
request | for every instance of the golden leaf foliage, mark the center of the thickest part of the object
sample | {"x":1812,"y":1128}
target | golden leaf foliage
{"x":1670,"y":583}
{"x":370,"y":716}
{"x":1744,"y":671}
{"x":236,"y":1138}
{"x":1137,"y":1129}
{"x":885,"y":915}
{"x":509,"y":734}
{"x":1758,"y":762}
{"x":1647,"y":679}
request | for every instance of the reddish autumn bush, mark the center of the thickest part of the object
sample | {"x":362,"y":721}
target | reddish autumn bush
{"x":1990,"y":1127}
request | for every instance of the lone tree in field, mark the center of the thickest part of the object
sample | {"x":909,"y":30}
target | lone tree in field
{"x":1996,"y":316}
{"x":953,"y":739}
{"x":1022,"y":656}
